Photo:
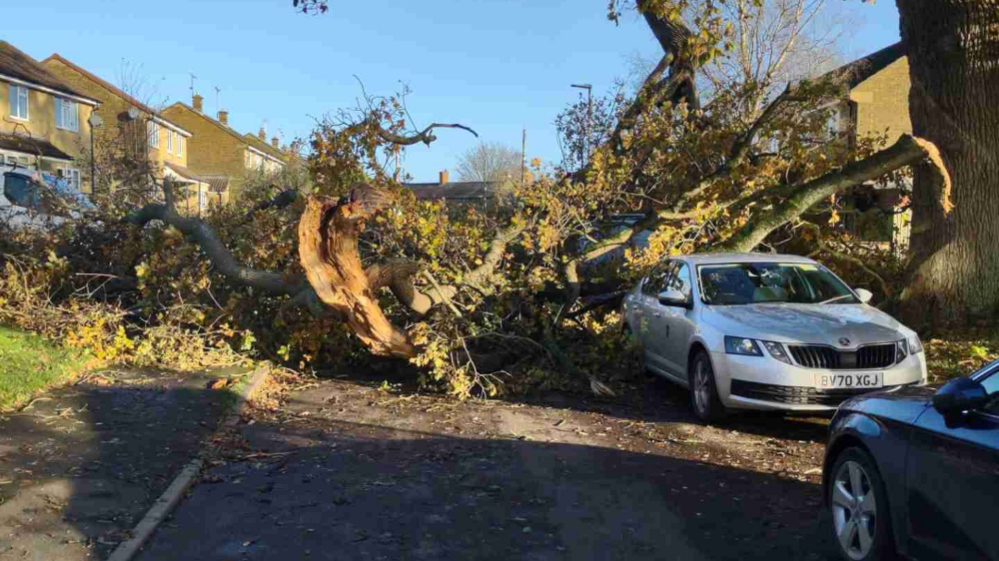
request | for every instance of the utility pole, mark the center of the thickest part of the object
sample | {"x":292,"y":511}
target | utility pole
{"x":589,"y":113}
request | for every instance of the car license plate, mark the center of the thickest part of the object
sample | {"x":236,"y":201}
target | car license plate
{"x":849,"y":381}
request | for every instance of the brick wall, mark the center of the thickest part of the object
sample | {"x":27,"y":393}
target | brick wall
{"x":883,"y":101}
{"x":41,"y":124}
{"x":211,"y":150}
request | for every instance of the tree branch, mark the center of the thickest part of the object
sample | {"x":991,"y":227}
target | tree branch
{"x":906,"y":151}
{"x":425,"y":136}
{"x":218,"y":254}
{"x":283,"y":199}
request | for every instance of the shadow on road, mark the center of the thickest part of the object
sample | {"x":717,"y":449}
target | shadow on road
{"x":336,"y":481}
{"x":82,"y":464}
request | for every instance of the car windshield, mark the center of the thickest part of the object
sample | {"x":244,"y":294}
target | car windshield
{"x":760,"y":283}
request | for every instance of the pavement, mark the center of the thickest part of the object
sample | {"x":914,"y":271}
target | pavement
{"x":345,"y":470}
{"x":80,"y":466}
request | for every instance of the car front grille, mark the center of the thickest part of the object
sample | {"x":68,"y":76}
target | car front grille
{"x":819,"y":356}
{"x":797,"y":395}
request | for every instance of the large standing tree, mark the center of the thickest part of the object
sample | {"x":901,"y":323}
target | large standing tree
{"x":953,"y":50}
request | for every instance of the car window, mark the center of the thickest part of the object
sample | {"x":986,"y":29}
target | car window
{"x":758,"y":283}
{"x":680,"y":278}
{"x":656,"y":280}
{"x":991,"y":384}
{"x":21,"y":191}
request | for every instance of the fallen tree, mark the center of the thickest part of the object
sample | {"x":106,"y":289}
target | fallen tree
{"x":491,"y":299}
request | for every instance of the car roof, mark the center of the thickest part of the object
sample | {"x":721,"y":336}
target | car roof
{"x":722,"y":258}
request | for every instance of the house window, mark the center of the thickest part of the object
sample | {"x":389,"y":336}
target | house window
{"x":72,"y":177}
{"x":67,"y":115}
{"x":180,"y":145}
{"x":153,"y":132}
{"x":19,"y":102}
{"x":202,"y":197}
{"x":170,"y":142}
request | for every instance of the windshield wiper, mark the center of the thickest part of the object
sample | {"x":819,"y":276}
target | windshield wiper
{"x":836,"y":299}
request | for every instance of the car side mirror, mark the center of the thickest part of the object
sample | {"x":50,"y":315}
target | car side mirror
{"x":673,"y":297}
{"x":864,"y":294}
{"x":959,"y":395}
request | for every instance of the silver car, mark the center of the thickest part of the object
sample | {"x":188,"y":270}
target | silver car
{"x":768,"y":332}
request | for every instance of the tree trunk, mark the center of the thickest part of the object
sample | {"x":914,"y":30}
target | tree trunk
{"x":953,"y":50}
{"x":327,"y":247}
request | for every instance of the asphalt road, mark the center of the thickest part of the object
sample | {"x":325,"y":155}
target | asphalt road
{"x":344,"y":471}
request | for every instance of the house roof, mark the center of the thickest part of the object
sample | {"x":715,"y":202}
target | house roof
{"x":182,"y":171}
{"x":853,"y":73}
{"x":264,"y":147}
{"x":111,"y":88}
{"x":15,"y":64}
{"x":453,"y":190}
{"x":216,"y":183}
{"x":32,"y":146}
{"x":205,"y":116}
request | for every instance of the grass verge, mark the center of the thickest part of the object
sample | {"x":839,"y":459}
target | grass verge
{"x":29,"y":364}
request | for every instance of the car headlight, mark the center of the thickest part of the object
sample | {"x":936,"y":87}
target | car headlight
{"x":777,"y":351}
{"x":901,"y":351}
{"x":915,"y":345}
{"x":742,"y":346}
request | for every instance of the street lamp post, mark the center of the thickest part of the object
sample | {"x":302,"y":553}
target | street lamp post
{"x":95,"y":122}
{"x":589,"y":113}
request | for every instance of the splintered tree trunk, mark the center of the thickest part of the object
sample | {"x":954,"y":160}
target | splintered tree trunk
{"x":327,"y":246}
{"x":953,"y":48}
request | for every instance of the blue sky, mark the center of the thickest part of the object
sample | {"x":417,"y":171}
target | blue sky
{"x":496,"y":65}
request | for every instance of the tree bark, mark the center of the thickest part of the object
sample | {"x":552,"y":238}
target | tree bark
{"x":953,"y":50}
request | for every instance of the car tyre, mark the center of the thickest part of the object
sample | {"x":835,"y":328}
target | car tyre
{"x":858,"y":503}
{"x":704,"y":398}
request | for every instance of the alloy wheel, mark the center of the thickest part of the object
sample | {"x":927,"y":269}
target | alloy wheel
{"x":702,"y":386}
{"x":854,"y":510}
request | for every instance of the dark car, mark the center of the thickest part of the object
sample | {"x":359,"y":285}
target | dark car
{"x":916,"y":472}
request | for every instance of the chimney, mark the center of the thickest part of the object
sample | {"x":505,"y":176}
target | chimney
{"x":199,"y":103}
{"x":444,"y":177}
{"x":262,"y":134}
{"x":224,"y":117}
{"x":274,"y":141}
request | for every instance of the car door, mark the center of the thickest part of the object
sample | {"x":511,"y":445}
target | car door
{"x":676,"y":322}
{"x":652,"y":334}
{"x":952,"y":480}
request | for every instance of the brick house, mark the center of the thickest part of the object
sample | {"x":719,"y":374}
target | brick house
{"x":875,"y":99}
{"x":129,"y":124}
{"x":219,"y":151}
{"x":45,"y":124}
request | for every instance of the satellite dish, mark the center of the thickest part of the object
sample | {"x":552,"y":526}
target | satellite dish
{"x":95,"y":120}
{"x":133,"y":113}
